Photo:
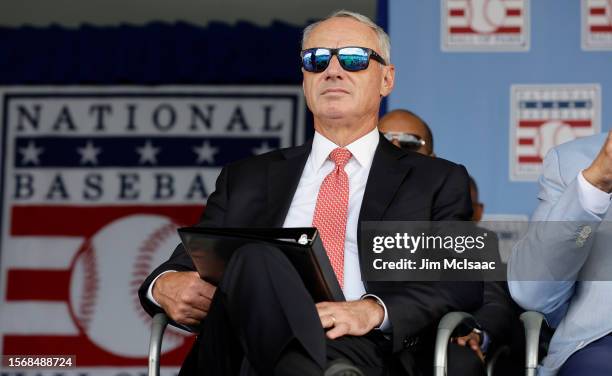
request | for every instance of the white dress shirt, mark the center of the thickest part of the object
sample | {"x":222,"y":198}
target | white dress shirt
{"x":301,"y":211}
{"x":592,"y":198}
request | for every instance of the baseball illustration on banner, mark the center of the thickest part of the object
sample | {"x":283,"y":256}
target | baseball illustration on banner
{"x":551,"y":134}
{"x":596,"y":25}
{"x":485,"y":16}
{"x":485,"y":25}
{"x":544,"y":116}
{"x":106,"y":274}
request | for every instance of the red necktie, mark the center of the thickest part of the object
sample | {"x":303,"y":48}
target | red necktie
{"x":331,"y":211}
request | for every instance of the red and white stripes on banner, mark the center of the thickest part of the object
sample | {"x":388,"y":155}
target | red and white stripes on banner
{"x":461,"y":13}
{"x":599,"y":16}
{"x":39,"y":275}
{"x":529,"y":137}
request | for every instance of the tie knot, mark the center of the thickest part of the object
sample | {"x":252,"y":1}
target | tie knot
{"x":340,"y":157}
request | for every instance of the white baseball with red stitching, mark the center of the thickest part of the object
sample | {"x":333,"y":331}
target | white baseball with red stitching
{"x":106,"y":275}
{"x":553,"y":133}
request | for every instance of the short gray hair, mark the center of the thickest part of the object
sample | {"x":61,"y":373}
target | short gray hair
{"x":383,"y":38}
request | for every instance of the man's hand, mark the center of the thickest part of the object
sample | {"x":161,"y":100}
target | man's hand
{"x":599,"y":173}
{"x":473,"y":341}
{"x":354,"y":318}
{"x":184,"y":296}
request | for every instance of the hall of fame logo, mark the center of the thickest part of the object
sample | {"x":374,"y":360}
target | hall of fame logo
{"x":597,"y":24}
{"x":544,"y":116}
{"x":95,"y":182}
{"x":484,"y":25}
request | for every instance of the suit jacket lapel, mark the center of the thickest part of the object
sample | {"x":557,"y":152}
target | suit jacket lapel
{"x":283,"y":178}
{"x":386,"y":175}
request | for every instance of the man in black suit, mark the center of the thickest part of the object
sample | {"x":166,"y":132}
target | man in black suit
{"x":347,"y":174}
{"x":497,"y":319}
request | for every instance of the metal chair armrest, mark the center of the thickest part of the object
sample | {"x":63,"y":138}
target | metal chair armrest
{"x":532,"y":322}
{"x":158,"y":326}
{"x":447,"y":325}
{"x":491,"y":361}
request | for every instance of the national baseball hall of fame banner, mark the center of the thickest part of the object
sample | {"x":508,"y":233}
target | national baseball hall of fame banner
{"x":95,"y":181}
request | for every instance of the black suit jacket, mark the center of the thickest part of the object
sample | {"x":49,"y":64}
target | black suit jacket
{"x":402,"y":185}
{"x":499,"y":314}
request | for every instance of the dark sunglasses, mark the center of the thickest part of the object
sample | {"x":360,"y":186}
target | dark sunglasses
{"x":407,"y":141}
{"x":352,"y":59}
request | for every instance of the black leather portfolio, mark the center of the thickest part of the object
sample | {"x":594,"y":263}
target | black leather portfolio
{"x":211,"y":250}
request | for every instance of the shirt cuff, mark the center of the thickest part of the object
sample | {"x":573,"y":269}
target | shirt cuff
{"x":150,"y":289}
{"x":385,"y":326}
{"x":592,"y":198}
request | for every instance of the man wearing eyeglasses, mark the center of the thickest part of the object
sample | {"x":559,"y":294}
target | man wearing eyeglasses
{"x":348,"y":173}
{"x":497,"y":318}
{"x":407,"y":130}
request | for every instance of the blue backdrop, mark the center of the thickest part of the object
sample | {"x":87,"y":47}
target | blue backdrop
{"x":465,"y":96}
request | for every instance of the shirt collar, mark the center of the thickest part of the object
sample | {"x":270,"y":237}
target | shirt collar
{"x":362,"y":149}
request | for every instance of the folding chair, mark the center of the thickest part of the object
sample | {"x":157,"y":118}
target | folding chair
{"x":445,"y":329}
{"x":447,"y":326}
{"x":532,"y":322}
